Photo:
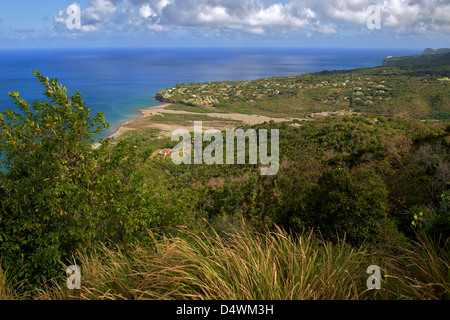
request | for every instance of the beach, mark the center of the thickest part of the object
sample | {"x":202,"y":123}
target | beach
{"x":224,"y":121}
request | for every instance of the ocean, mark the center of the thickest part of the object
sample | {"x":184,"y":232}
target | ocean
{"x":121,"y":81}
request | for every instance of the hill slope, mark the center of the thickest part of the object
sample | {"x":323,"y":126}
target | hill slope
{"x":428,"y":57}
{"x":406,"y":87}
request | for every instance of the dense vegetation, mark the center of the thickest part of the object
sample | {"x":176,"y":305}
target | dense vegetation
{"x":352,"y":190}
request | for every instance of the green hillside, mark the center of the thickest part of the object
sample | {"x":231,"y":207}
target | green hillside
{"x":369,"y":186}
{"x":429,"y":57}
{"x":405,"y":91}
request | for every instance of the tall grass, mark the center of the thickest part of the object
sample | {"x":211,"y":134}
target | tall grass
{"x":9,"y":289}
{"x":241,"y":265}
{"x":246,"y":265}
{"x":6,"y":292}
{"x":421,"y":271}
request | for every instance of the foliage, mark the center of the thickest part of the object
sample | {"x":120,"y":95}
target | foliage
{"x":378,"y":177}
{"x":435,"y":221}
{"x":404,"y":91}
{"x":58,"y":194}
{"x":242,"y":264}
{"x":346,"y":203}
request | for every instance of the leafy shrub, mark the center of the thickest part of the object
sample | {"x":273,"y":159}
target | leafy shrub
{"x":57,"y":193}
{"x":346,"y":203}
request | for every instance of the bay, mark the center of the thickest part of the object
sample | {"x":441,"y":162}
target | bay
{"x":121,"y":81}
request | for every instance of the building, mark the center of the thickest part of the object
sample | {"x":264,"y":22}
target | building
{"x":165,"y":152}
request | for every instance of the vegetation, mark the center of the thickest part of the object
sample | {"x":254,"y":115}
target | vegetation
{"x":428,"y":56}
{"x":406,"y":91}
{"x":59,"y":195}
{"x":246,"y":265}
{"x":369,"y":185}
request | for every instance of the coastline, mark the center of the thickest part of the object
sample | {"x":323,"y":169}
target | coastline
{"x":143,"y":123}
{"x":128,"y":125}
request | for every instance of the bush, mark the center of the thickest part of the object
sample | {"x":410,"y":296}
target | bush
{"x":436,"y":221}
{"x":57,"y":193}
{"x":347,"y":203}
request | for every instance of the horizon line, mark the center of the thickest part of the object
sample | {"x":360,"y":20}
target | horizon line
{"x":216,"y":47}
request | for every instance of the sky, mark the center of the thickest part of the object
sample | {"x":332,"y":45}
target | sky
{"x":408,"y":24}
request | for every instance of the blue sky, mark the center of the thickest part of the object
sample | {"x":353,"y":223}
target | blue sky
{"x":291,"y":23}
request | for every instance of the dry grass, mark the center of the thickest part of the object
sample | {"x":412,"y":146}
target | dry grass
{"x":238,"y":266}
{"x":245,"y":265}
{"x":8,"y":288}
{"x":422,"y":271}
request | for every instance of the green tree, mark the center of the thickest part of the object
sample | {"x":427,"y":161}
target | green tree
{"x":343,"y":202}
{"x":57,"y":193}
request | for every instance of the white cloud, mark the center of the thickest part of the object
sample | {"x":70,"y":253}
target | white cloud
{"x":98,"y":14}
{"x":161,"y":5}
{"x":93,"y":18}
{"x":89,"y":28}
{"x":146,"y":12}
{"x":262,"y":16}
{"x":400,"y":16}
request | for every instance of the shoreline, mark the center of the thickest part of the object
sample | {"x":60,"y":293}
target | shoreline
{"x":142,"y":122}
{"x":124,"y":126}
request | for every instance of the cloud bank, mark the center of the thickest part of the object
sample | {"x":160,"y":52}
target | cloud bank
{"x":260,"y":17}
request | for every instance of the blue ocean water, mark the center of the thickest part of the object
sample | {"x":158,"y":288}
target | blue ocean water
{"x":121,"y":81}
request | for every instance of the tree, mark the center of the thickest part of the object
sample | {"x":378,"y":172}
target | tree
{"x":347,"y":203}
{"x":57,"y":193}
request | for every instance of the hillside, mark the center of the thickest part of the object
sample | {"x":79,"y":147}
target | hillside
{"x":363,"y":179}
{"x":429,"y":57}
{"x":437,"y":51}
{"x":404,"y":91}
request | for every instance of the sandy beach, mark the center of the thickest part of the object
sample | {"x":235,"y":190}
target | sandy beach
{"x":223,"y":121}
